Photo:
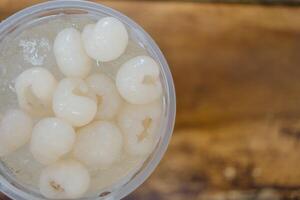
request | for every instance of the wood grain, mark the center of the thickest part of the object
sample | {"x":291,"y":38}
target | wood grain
{"x":236,"y":72}
{"x":236,"y":161}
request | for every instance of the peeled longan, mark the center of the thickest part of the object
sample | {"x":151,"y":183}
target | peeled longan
{"x":52,"y":138}
{"x":138,"y":124}
{"x":106,"y":40}
{"x":109,"y":100}
{"x":35,"y":88}
{"x":74,"y":102}
{"x":64,"y":180}
{"x":15,"y":131}
{"x":138,"y":80}
{"x":99,"y":144}
{"x":70,"y":55}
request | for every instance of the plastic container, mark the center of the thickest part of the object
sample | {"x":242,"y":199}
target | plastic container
{"x":19,"y":21}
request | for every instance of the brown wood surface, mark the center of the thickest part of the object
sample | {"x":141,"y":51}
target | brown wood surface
{"x":236,"y":70}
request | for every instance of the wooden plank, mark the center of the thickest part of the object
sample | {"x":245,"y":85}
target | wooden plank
{"x":2,"y":197}
{"x":245,"y":160}
{"x":8,"y":7}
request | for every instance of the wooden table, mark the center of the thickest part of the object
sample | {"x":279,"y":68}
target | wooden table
{"x":236,"y":69}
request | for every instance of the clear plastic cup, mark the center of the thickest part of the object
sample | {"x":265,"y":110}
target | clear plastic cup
{"x":13,"y":25}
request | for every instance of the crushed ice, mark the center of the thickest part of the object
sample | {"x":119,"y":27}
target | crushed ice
{"x":35,"y":50}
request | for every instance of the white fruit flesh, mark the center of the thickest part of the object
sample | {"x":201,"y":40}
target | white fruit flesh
{"x":74,"y":102}
{"x":99,"y":144}
{"x":138,"y":124}
{"x":34,"y":88}
{"x":64,"y":180}
{"x":15,"y":131}
{"x":106,"y":40}
{"x":138,"y":80}
{"x":109,"y":100}
{"x":70,"y":55}
{"x":51,"y":139}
